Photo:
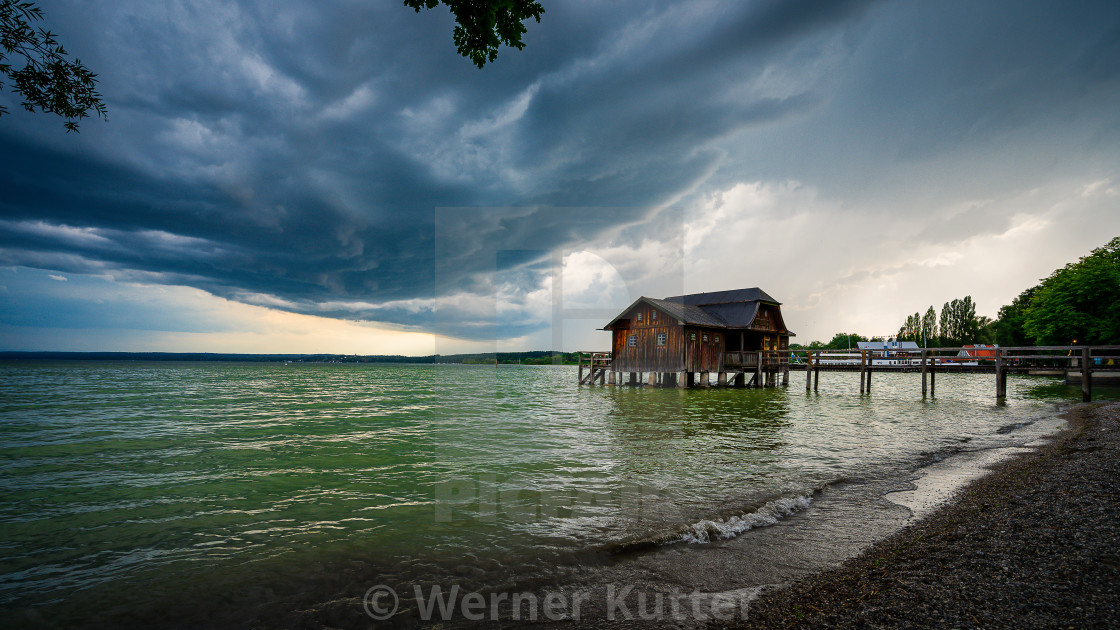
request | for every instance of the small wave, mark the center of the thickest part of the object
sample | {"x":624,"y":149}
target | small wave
{"x":1008,"y":428}
{"x":770,"y":513}
{"x":709,"y":530}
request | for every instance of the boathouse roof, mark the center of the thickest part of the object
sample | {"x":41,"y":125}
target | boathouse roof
{"x":687,"y":313}
{"x":718,"y":309}
{"x":753,"y":294}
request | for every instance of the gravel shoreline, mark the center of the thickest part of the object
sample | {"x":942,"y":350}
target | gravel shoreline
{"x":1034,"y":544}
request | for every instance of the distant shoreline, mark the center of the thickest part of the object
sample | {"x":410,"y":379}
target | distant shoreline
{"x":534,"y":357}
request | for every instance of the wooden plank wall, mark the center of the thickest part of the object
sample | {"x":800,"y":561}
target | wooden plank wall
{"x":647,"y":356}
{"x":700,"y":356}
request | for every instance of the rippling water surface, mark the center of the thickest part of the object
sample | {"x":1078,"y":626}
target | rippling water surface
{"x":133,"y":482}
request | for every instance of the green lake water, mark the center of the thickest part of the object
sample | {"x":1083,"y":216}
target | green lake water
{"x":123,"y":485}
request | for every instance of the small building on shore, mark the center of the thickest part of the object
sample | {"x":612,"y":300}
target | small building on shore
{"x":719,"y":332}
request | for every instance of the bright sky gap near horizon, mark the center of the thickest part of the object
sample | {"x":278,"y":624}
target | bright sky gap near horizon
{"x":333,"y":177}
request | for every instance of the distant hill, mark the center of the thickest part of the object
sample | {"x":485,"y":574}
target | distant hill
{"x":536,"y":357}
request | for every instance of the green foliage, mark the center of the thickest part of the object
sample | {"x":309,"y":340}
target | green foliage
{"x":47,"y":82}
{"x":957,"y":325}
{"x":1078,"y":302}
{"x":929,"y":330}
{"x":843,"y":341}
{"x":484,"y":25}
{"x":1009,"y":323}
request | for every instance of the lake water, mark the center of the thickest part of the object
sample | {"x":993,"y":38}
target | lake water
{"x":151,"y":491}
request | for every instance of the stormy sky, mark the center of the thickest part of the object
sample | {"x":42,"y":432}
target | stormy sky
{"x":331,"y":176}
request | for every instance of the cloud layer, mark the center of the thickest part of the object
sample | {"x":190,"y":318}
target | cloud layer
{"x":339,"y":159}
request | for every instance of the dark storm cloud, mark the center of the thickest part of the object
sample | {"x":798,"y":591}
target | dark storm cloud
{"x":340,"y":159}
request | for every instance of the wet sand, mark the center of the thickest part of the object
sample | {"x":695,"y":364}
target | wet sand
{"x":1034,"y":544}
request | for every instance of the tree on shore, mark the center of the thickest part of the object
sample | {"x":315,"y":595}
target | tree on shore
{"x":957,"y":325}
{"x":1009,"y":323}
{"x":482,"y":26}
{"x":47,"y":81}
{"x":1075,"y":303}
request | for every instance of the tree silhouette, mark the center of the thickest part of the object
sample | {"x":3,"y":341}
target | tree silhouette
{"x":48,"y":81}
{"x":484,"y":25}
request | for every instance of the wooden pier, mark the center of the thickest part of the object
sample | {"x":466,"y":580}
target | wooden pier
{"x":762,"y":368}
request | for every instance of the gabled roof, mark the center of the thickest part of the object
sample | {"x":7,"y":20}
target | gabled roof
{"x":753,"y":294}
{"x":734,"y":314}
{"x":720,"y":309}
{"x":687,"y":314}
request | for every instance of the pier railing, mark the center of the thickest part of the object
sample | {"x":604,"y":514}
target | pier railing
{"x":596,"y":363}
{"x":1082,"y":361}
{"x":751,"y":359}
{"x":1076,"y":363}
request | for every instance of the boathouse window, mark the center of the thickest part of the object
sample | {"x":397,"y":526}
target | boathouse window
{"x":660,"y":339}
{"x":692,"y":336}
{"x":716,"y":339}
{"x":705,"y":337}
{"x":632,"y":341}
{"x":639,"y":317}
{"x":653,"y":315}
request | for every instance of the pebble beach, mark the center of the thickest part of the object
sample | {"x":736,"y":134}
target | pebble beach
{"x":1033,"y":544}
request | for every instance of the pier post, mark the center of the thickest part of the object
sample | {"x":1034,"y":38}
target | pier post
{"x":785,"y":377}
{"x":722,"y":379}
{"x":862,"y":371}
{"x":705,"y":380}
{"x":612,"y":380}
{"x":682,"y":379}
{"x":817,"y":372}
{"x":870,"y":369}
{"x":1001,"y":383}
{"x":581,"y":369}
{"x":932,"y":380}
{"x":758,"y":370}
{"x":923,"y":372}
{"x":1086,"y":376}
{"x":603,"y":376}
{"x":808,"y":371}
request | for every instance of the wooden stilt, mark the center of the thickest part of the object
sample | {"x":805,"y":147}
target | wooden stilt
{"x":785,"y":377}
{"x":758,"y":369}
{"x":1000,"y":382}
{"x":722,"y":379}
{"x":1086,"y":376}
{"x":932,"y":381}
{"x":923,"y":373}
{"x":862,"y":372}
{"x":808,"y":371}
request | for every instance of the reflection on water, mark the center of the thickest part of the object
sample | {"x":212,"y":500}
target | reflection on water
{"x":242,"y":477}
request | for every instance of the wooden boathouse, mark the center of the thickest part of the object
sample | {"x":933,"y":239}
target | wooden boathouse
{"x":682,"y":340}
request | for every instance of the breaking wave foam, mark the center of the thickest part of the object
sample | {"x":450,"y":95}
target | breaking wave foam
{"x":770,"y":513}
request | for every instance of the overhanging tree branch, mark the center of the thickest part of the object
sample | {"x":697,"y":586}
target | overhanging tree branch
{"x":48,"y":81}
{"x":484,"y":25}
